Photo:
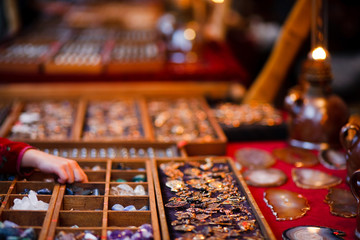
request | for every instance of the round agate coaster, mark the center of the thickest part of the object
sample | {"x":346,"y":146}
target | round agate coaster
{"x":313,"y":179}
{"x":254,"y":158}
{"x":285,"y":204}
{"x":269,"y":177}
{"x":296,"y":156}
{"x":312,"y":232}
{"x":332,"y":159}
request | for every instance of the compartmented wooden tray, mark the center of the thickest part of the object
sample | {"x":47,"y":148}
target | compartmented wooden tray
{"x":183,"y":121}
{"x":94,"y":212}
{"x":85,"y":57}
{"x":141,"y":56}
{"x":79,"y":207}
{"x":187,"y":121}
{"x":39,"y":220}
{"x":206,"y":198}
{"x":26,"y":56}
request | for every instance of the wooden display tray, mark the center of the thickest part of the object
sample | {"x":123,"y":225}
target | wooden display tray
{"x":242,"y":186}
{"x":88,"y":212}
{"x":51,"y":67}
{"x":216,"y":146}
{"x":151,"y":65}
{"x":35,"y":65}
{"x":39,"y":220}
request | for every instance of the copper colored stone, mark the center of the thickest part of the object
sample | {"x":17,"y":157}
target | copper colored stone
{"x":285,"y":204}
{"x":269,"y":177}
{"x":313,"y":179}
{"x":296,"y":156}
{"x":254,"y":158}
{"x":342,"y":203}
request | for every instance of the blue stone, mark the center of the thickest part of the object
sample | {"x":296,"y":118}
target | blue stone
{"x":144,"y":208}
{"x":117,"y":207}
{"x":29,"y":234}
{"x":7,"y":232}
{"x":96,"y":192}
{"x":44,"y":191}
{"x":69,"y":191}
{"x":139,"y":178}
{"x":130,"y":208}
{"x":120,"y":180}
{"x":25,"y":191}
{"x":11,"y":178}
{"x":85,"y":192}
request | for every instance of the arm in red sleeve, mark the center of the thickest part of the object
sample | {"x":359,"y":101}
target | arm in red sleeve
{"x":11,"y":154}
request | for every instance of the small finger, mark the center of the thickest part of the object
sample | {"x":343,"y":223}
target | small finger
{"x":70,"y":172}
{"x":62,"y":174}
{"x":79,"y":174}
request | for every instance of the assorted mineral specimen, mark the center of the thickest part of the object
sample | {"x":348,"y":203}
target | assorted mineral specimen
{"x":285,"y":204}
{"x":254,"y":158}
{"x":342,"y":202}
{"x":332,"y":159}
{"x":145,"y":232}
{"x":296,"y":156}
{"x":313,"y":179}
{"x":126,"y":190}
{"x":30,"y":202}
{"x":269,"y":177}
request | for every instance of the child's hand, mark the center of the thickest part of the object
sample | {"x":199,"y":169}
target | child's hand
{"x":67,"y":170}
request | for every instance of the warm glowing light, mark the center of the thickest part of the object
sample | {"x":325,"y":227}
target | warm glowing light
{"x":218,"y":1}
{"x":318,"y":53}
{"x":189,"y":34}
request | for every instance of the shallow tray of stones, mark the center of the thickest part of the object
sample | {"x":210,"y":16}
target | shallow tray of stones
{"x":20,"y":207}
{"x":90,"y":211}
{"x":114,"y":119}
{"x":50,"y":120}
{"x":186,"y":120}
{"x":187,"y":211}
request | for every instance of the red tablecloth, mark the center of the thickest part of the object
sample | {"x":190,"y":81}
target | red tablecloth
{"x":319,"y":213}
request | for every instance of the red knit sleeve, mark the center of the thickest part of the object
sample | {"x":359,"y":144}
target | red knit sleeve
{"x":11,"y":154}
